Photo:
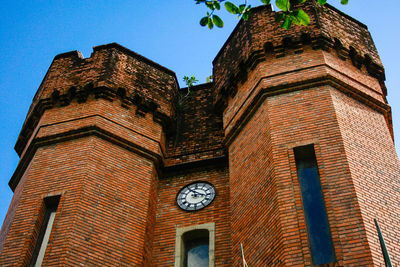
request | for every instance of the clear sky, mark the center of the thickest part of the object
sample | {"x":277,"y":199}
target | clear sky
{"x":168,"y":32}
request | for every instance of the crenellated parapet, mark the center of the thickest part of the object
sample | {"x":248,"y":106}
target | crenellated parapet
{"x":260,"y":39}
{"x":112,"y":72}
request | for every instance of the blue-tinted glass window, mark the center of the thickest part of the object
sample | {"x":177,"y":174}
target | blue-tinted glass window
{"x":319,"y":234}
{"x":196,"y":244}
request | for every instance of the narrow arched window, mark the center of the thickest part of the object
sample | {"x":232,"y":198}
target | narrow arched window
{"x":195,"y":246}
{"x":316,"y":216}
{"x":50,"y":208}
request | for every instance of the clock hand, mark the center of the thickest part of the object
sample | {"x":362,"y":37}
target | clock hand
{"x":196,"y":193}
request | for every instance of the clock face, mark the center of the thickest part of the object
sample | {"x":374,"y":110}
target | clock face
{"x":195,"y":196}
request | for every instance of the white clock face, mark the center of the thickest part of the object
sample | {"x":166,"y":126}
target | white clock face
{"x":195,"y":196}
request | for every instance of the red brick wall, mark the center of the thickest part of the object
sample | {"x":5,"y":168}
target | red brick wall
{"x":103,"y":211}
{"x":8,"y":220}
{"x":254,"y":40}
{"x":285,"y":91}
{"x":256,"y":219}
{"x":265,"y":195}
{"x":297,"y":68}
{"x":349,"y":31}
{"x":170,"y":216}
{"x":262,"y":151}
{"x":102,"y":158}
{"x":73,"y":137}
{"x":119,"y":157}
{"x":375,"y":172}
{"x":112,"y":72}
{"x":198,"y":133}
{"x":114,"y":66}
{"x":309,"y":117}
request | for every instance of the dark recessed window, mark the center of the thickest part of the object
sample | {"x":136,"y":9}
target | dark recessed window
{"x":196,"y":248}
{"x":51,"y":204}
{"x":319,"y":234}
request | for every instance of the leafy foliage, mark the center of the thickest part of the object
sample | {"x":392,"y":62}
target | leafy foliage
{"x":189,"y":81}
{"x":286,"y":17}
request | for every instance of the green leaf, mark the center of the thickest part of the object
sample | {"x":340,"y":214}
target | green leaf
{"x":283,"y":5}
{"x":210,"y":23}
{"x":322,"y":2}
{"x":245,"y":16}
{"x":210,"y":5}
{"x":301,"y":17}
{"x":344,"y":2}
{"x":287,"y":23}
{"x":204,"y":21}
{"x":241,"y":8}
{"x":266,"y":2}
{"x":231,"y":8}
{"x":302,"y":1}
{"x":218,"y":21}
{"x":217,"y":5}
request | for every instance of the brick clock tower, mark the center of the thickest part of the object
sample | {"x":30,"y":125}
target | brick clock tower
{"x":288,"y":154}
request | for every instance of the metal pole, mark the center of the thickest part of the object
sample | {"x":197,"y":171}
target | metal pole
{"x":383,"y":246}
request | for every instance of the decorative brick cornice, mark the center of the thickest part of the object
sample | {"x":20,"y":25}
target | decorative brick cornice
{"x":72,"y":135}
{"x":81,"y":94}
{"x":328,"y":79}
{"x":296,"y":45}
{"x":94,"y":130}
{"x":260,"y":39}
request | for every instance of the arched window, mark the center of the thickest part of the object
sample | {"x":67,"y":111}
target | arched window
{"x":195,"y":246}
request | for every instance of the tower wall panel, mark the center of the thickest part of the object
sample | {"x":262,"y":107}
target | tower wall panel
{"x":104,"y":208}
{"x":374,"y":170}
{"x":170,"y":217}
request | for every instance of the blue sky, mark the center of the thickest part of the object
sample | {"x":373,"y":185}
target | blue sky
{"x":168,"y":32}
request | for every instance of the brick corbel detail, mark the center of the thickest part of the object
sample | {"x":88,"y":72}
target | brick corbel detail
{"x":229,"y":88}
{"x":85,"y":131}
{"x":327,"y":79}
{"x":143,"y":105}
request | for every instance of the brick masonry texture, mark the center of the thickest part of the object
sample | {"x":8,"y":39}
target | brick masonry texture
{"x":106,"y":133}
{"x":101,"y":188}
{"x":170,"y":216}
{"x":252,"y":41}
{"x":198,"y":134}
